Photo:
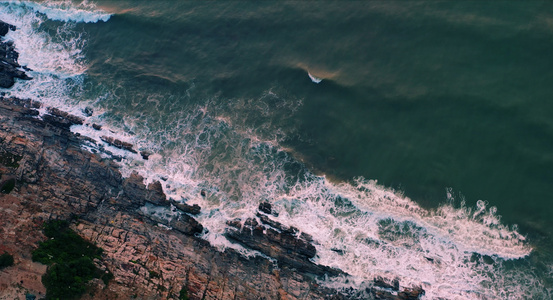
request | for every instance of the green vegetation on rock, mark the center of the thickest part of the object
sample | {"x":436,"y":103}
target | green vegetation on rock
{"x":6,"y":260}
{"x":9,"y":160}
{"x":7,"y":186}
{"x":183,"y":295}
{"x":70,"y":260}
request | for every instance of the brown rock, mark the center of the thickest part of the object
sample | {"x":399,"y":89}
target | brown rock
{"x":155,"y":194}
{"x":190,"y":209}
{"x":145,"y":154}
{"x":64,"y":115}
{"x":118,"y":143}
{"x":285,"y":246}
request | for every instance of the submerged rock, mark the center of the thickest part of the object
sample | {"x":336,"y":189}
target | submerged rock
{"x":267,"y":208}
{"x":145,"y":154}
{"x":88,"y":111}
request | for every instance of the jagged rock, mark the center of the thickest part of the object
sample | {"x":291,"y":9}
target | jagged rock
{"x":88,"y":111}
{"x":74,"y":120}
{"x":57,"y":121}
{"x":8,"y":73}
{"x":134,"y":189}
{"x":285,"y":246}
{"x":380,"y":282}
{"x":156,"y":195}
{"x":267,"y":208}
{"x":186,"y":225}
{"x":386,"y":291}
{"x":5,"y":27}
{"x":27,"y":103}
{"x":118,"y":143}
{"x":191,"y":209}
{"x":284,"y":229}
{"x":9,"y":68}
{"x":145,"y":154}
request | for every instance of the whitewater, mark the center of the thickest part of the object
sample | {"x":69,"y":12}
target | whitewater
{"x":359,"y":226}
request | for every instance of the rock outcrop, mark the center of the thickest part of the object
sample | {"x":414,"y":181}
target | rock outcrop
{"x":9,"y":67}
{"x":287,"y":245}
{"x":118,"y":143}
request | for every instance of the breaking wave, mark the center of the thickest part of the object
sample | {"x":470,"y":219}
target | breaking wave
{"x":65,"y":10}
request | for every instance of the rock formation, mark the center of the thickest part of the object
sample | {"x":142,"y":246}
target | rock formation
{"x":9,"y":68}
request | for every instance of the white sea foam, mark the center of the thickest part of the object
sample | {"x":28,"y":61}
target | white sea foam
{"x":314,"y":79}
{"x":65,"y":10}
{"x":368,"y":230}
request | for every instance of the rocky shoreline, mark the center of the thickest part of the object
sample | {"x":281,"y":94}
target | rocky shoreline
{"x":45,"y":174}
{"x":9,"y":67}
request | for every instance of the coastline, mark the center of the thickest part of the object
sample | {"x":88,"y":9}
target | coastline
{"x":54,"y":177}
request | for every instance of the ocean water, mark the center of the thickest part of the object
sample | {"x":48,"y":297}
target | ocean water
{"x":411,"y":139}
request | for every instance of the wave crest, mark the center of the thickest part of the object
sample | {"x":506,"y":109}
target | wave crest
{"x":66,"y":11}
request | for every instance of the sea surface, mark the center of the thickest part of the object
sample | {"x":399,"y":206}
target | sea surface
{"x":412,"y":139}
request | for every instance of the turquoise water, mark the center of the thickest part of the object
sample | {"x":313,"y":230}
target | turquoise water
{"x":447,"y":103}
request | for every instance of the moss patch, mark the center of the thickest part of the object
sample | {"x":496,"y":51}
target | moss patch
{"x":183,"y":295}
{"x":70,"y":260}
{"x":6,"y":260}
{"x":7,"y":186}
{"x":9,"y":160}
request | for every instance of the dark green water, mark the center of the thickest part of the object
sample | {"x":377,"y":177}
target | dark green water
{"x":422,"y":96}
